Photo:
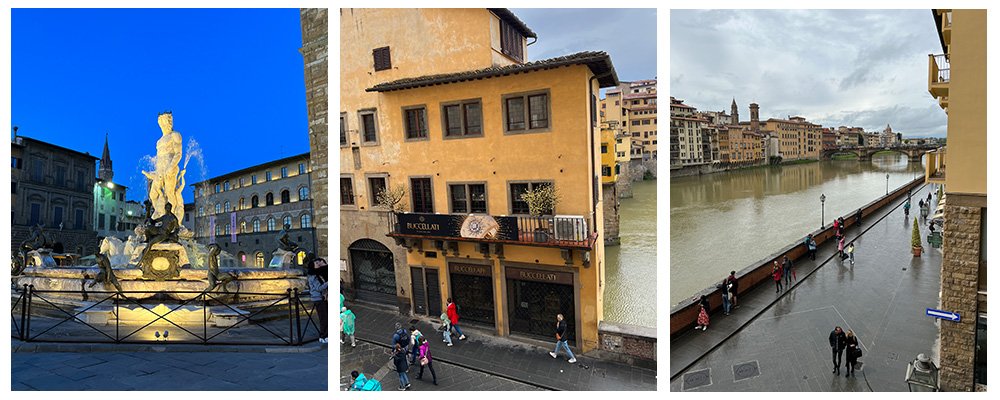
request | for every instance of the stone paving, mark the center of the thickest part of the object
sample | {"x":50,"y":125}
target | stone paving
{"x":503,"y":358}
{"x":373,"y":361}
{"x":779,"y":342}
{"x":106,"y":369}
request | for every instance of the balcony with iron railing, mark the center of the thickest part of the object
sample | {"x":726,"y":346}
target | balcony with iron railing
{"x":939,"y":77}
{"x":560,"y":231}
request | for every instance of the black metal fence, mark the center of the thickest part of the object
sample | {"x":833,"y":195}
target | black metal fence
{"x":59,"y":316}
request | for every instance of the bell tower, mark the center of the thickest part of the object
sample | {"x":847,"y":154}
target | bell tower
{"x":754,"y":117}
{"x":105,"y":172}
{"x":735,"y":111}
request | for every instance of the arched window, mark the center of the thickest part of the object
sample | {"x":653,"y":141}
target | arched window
{"x":225,"y":186}
{"x":270,"y":224}
{"x":201,"y":211}
{"x":285,"y":196}
{"x":218,"y":208}
{"x":227,"y":206}
{"x":241,"y":205}
{"x":305,"y":221}
{"x":228,"y":231}
{"x":243,"y":227}
{"x":287,"y":220}
{"x":218,"y":230}
{"x":254,"y":201}
{"x":242,"y":257}
{"x":256,"y":225}
{"x":303,"y":193}
{"x":258,"y":259}
{"x":269,"y":199}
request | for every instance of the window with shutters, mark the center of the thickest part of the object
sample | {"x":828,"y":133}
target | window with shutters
{"x":382,"y":59}
{"x":467,"y":198}
{"x":369,"y":128}
{"x":415,"y":122}
{"x":423,"y":199}
{"x":462,"y":118}
{"x":526,"y":113}
{"x":511,"y":41}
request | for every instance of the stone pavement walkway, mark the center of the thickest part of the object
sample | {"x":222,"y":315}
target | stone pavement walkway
{"x":505,"y":358}
{"x":374,"y":362}
{"x":779,"y":342}
{"x":101,"y":369}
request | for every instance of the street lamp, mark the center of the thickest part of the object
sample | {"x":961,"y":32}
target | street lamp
{"x":922,"y":375}
{"x":822,"y":215}
{"x":886,"y":184}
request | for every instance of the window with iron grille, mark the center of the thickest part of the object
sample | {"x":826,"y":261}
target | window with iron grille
{"x":382,"y":59}
{"x":423,"y":201}
{"x":511,"y":41}
{"x":519,"y":206}
{"x":468,"y":198}
{"x":415,"y":123}
{"x":525,"y":113}
{"x":462,"y":119}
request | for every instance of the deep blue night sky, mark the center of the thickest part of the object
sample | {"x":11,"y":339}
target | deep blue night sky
{"x":232,"y":78}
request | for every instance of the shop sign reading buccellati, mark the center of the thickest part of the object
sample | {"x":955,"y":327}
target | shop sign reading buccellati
{"x":534,"y":275}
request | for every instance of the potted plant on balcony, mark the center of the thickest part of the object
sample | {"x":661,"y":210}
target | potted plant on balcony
{"x":915,"y":242}
{"x":391,"y":199}
{"x":541,"y":199}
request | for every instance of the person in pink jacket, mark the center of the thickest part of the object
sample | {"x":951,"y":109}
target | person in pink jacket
{"x":425,"y":360}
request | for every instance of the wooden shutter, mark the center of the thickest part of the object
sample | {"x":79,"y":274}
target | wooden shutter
{"x":382,"y":59}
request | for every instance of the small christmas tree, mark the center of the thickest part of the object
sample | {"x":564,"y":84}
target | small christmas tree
{"x":915,"y":239}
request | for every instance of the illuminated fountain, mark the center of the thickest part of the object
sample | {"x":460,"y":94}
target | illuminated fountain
{"x":160,"y":268}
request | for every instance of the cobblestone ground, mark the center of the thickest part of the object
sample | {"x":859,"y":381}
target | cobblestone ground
{"x":373,"y":361}
{"x":169,"y":371}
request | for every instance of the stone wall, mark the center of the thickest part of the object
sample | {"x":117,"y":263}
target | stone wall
{"x":356,"y":225}
{"x":610,"y":201}
{"x":624,"y":181}
{"x":314,"y":55}
{"x":959,"y":284}
{"x":629,"y":344}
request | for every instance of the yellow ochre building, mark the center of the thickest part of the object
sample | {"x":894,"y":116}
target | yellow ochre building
{"x":445,"y":105}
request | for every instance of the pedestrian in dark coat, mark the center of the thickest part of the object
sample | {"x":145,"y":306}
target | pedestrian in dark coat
{"x":399,"y":360}
{"x":786,"y":266}
{"x":838,"y":342}
{"x":734,"y":288}
{"x":852,"y":352}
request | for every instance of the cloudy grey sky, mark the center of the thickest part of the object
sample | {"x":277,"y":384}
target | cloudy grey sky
{"x":628,"y":35}
{"x":835,"y":67}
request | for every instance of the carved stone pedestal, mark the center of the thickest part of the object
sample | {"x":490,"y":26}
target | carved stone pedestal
{"x":164,"y":261}
{"x":282,"y":259}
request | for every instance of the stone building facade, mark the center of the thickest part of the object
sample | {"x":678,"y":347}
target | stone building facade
{"x":314,"y":55}
{"x":52,"y":186}
{"x":244,"y":211}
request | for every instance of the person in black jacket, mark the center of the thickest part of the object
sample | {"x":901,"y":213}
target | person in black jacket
{"x":399,"y":360}
{"x":838,"y":341}
{"x":562,"y":338}
{"x":852,"y":352}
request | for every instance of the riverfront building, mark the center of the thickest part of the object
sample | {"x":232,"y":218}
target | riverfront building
{"x":52,"y":186}
{"x":798,"y":139}
{"x":245,"y":211}
{"x":447,"y":122}
{"x":963,"y":270}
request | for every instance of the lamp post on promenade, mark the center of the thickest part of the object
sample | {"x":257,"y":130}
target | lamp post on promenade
{"x":822,"y":215}
{"x":886,"y":184}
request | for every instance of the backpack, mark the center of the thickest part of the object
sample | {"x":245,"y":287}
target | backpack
{"x":371,"y":385}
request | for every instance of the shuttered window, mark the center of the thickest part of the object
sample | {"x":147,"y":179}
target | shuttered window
{"x":511,"y":41}
{"x":382,"y":59}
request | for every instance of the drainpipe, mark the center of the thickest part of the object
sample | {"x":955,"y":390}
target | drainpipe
{"x":532,"y":42}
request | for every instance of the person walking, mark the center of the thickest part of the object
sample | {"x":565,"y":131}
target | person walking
{"x":841,"y":225}
{"x":776,"y":275}
{"x":399,"y":360}
{"x":562,"y":339}
{"x":426,"y":361}
{"x":734,"y":286}
{"x":318,"y":284}
{"x":840,"y":247}
{"x":850,"y":252}
{"x":453,"y":317}
{"x":836,"y":225}
{"x":415,"y":337}
{"x":858,"y":216}
{"x":347,"y":318}
{"x":445,"y":329}
{"x":852,"y":352}
{"x":703,"y":313}
{"x":725,"y":288}
{"x":811,"y":246}
{"x":786,"y":266}
{"x":929,"y":197}
{"x":906,"y":208}
{"x":838,"y":341}
{"x":400,"y":337}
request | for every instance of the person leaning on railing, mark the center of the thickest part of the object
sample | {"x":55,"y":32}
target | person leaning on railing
{"x":318,"y":283}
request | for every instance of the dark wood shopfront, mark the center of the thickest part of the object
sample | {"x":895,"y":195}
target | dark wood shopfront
{"x":472,"y":289}
{"x":535,"y":296}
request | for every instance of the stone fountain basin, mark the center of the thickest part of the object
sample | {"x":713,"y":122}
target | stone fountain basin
{"x":251,"y":280}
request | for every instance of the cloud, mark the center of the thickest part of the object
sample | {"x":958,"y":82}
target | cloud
{"x":835,"y":67}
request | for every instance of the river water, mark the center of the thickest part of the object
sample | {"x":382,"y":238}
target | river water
{"x":728,"y":220}
{"x":630,"y":275}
